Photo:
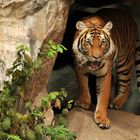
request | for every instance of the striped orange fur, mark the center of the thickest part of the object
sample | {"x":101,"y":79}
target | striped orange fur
{"x":106,"y":39}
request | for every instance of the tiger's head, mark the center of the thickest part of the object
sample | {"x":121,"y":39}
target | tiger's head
{"x":93,"y":45}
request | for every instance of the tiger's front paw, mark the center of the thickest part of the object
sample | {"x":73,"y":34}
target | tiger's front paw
{"x":82,"y":103}
{"x":102,"y":121}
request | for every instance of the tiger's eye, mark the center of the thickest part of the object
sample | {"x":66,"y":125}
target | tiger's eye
{"x":106,"y":49}
{"x":87,"y":43}
{"x":103,"y":44}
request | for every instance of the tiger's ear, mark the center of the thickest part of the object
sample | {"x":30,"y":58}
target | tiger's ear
{"x":108,"y":26}
{"x":80,"y":25}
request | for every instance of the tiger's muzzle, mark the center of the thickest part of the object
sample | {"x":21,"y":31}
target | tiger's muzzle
{"x":94,"y":65}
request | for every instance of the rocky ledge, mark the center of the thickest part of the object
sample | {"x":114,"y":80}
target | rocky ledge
{"x":124,"y":125}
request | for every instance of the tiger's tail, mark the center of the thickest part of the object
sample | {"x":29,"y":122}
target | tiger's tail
{"x":137,"y":64}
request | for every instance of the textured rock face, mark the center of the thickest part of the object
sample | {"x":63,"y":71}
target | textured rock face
{"x":30,"y":22}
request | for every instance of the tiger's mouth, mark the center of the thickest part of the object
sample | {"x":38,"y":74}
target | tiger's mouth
{"x":94,"y":65}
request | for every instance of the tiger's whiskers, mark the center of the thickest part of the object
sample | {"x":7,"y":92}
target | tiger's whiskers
{"x":82,"y":63}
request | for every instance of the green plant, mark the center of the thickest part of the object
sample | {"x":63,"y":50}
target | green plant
{"x":59,"y":133}
{"x":51,"y":49}
{"x":29,"y":126}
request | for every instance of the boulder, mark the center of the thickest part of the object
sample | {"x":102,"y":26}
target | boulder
{"x":124,"y":125}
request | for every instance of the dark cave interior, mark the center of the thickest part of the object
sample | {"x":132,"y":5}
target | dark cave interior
{"x":79,"y":10}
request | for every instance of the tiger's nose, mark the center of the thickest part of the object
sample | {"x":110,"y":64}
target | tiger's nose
{"x":96,"y":56}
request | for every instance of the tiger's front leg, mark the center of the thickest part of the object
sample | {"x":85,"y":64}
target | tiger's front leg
{"x":84,"y":98}
{"x":103,"y":84}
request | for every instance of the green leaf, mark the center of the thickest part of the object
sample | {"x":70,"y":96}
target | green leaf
{"x":31,"y":135}
{"x":51,"y":53}
{"x":39,"y":130}
{"x":22,"y":131}
{"x":3,"y":135}
{"x":28,"y":59}
{"x":45,"y":101}
{"x":28,"y":105}
{"x":17,"y":117}
{"x":13,"y":137}
{"x":70,"y":104}
{"x":53,"y":95}
{"x":23,"y":47}
{"x":50,"y":41}
{"x":24,"y":118}
{"x":37,"y":64}
{"x":59,"y":49}
{"x":37,"y":113}
{"x":64,"y":48}
{"x":9,"y":71}
{"x":6,"y":123}
{"x":59,"y":132}
{"x":54,"y":47}
{"x":63,"y":92}
{"x":10,"y":112}
{"x":16,"y":74}
{"x":61,"y":120}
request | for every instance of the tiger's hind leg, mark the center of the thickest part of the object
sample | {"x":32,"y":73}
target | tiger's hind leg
{"x":123,"y":76}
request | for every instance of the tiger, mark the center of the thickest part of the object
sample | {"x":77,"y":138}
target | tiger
{"x":105,"y":40}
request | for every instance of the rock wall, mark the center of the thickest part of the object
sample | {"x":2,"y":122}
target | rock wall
{"x":30,"y":22}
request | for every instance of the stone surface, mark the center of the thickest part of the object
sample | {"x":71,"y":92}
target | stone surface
{"x":124,"y":126}
{"x":30,"y":22}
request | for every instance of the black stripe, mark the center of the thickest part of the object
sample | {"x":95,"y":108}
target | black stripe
{"x":138,"y":75}
{"x":137,"y":71}
{"x":138,"y":49}
{"x":125,"y":72}
{"x":86,"y":74}
{"x":100,"y":69}
{"x":123,"y":91}
{"x":137,"y":62}
{"x":127,"y":59}
{"x":122,"y":85}
{"x":123,"y":64}
{"x":124,"y":81}
{"x":138,"y":84}
{"x":102,"y":66}
{"x":80,"y":43}
{"x":78,"y":46}
{"x":113,"y":55}
{"x":101,"y":75}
